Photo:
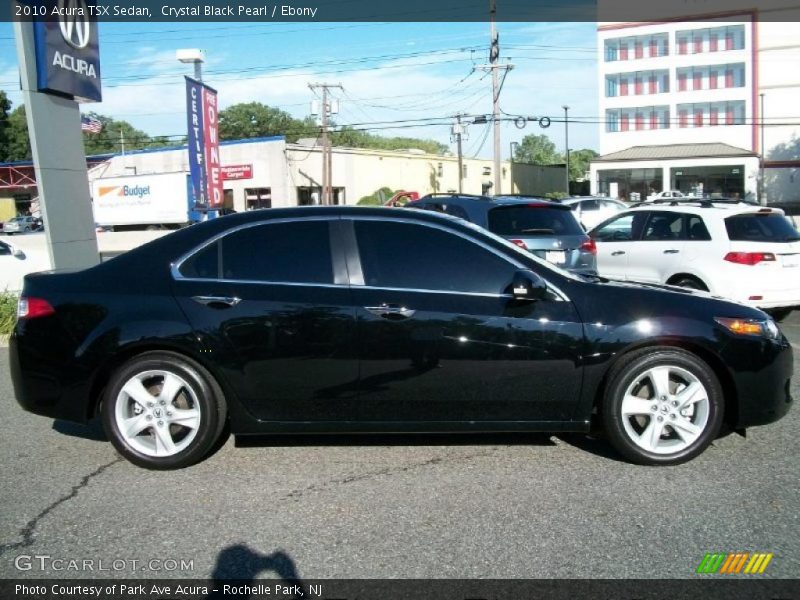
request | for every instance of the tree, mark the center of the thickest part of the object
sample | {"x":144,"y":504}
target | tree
{"x":19,"y":146}
{"x":109,"y":140}
{"x":354,"y":138}
{"x":579,"y":163}
{"x":5,"y":108}
{"x":537,"y":150}
{"x":253,"y":119}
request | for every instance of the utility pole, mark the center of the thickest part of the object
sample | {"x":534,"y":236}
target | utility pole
{"x":566,"y":141}
{"x":458,"y":136}
{"x":327,"y":155}
{"x":761,"y":198}
{"x":122,"y":141}
{"x":494,"y":67}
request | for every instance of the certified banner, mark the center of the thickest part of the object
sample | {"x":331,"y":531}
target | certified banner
{"x":203,"y":142}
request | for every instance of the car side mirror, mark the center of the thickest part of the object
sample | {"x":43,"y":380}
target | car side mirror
{"x":17,"y":253}
{"x":527,"y":286}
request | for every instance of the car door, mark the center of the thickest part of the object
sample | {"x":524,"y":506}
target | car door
{"x":615,"y":240}
{"x":657,"y":256}
{"x":441,"y":340}
{"x":10,"y":269}
{"x":271,"y":304}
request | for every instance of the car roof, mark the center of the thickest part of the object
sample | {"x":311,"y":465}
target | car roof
{"x":501,"y":200}
{"x":702,"y":208}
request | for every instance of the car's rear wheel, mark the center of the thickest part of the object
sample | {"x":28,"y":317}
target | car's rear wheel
{"x":662,"y":406}
{"x":163,"y":411}
{"x":690,"y":282}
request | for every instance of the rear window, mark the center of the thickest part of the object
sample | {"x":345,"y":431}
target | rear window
{"x":532,"y":221}
{"x":761,"y":227}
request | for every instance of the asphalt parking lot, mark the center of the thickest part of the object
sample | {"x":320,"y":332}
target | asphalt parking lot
{"x":429,"y":507}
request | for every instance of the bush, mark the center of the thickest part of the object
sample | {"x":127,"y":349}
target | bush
{"x":8,"y":312}
{"x":556,"y":195}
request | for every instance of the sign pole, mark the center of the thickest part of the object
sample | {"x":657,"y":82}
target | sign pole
{"x":54,"y":125}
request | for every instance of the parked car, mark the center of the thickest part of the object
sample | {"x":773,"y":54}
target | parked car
{"x":749,"y":254}
{"x":15,"y":264}
{"x":20,"y":225}
{"x":547,"y":229}
{"x":350,"y":319}
{"x":666,"y":195}
{"x":591,"y":211}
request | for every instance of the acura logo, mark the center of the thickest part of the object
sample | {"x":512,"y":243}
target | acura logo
{"x":74,"y":22}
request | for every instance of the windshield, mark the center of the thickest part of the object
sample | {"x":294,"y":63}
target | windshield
{"x":761,"y":227}
{"x":528,"y":221}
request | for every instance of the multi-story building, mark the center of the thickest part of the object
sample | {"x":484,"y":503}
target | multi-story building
{"x":681,"y":106}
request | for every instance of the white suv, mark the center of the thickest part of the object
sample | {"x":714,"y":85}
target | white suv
{"x":744,"y":252}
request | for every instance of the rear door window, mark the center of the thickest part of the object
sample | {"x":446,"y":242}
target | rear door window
{"x":625,"y":228}
{"x":761,"y":227}
{"x":664,"y":226}
{"x":530,"y":221}
{"x":696,"y":228}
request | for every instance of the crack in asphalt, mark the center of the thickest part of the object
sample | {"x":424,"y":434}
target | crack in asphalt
{"x":297,"y":494}
{"x":29,"y":531}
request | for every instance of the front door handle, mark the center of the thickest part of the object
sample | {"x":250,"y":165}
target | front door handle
{"x":391,"y":311}
{"x":217,"y":301}
{"x":618,"y":253}
{"x":671,"y":251}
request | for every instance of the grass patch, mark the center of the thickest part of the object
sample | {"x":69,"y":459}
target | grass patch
{"x":8,"y":312}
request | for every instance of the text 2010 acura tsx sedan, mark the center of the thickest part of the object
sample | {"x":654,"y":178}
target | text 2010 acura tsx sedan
{"x":329,"y":319}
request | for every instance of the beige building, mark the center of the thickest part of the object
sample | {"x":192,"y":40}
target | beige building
{"x":268,"y":172}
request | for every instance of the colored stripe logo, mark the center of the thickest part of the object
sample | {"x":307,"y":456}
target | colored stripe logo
{"x":735,"y":563}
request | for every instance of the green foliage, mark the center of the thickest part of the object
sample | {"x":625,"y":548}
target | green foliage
{"x":579,"y":163}
{"x":556,"y":195}
{"x":18,"y":146}
{"x":374,"y":199}
{"x":254,"y":119}
{"x":537,"y":150}
{"x":353,"y":138}
{"x":8,"y":312}
{"x":5,"y":109}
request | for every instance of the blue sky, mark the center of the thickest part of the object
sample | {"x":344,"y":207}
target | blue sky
{"x":389,"y":71}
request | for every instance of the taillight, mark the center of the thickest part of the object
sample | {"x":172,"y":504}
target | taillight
{"x":519,"y":243}
{"x":33,"y":308}
{"x":589,"y":246}
{"x":749,"y":258}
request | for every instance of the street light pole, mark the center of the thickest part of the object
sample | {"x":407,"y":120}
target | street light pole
{"x":761,"y":198}
{"x":193,"y":56}
{"x":566,"y":141}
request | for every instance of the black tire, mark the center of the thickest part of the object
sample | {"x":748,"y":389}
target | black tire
{"x":206,"y":391}
{"x":690,"y":282}
{"x":627,"y":371}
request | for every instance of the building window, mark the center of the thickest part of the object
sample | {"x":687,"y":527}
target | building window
{"x":712,"y":80}
{"x":638,"y":49}
{"x":698,"y":117}
{"x":698,"y":80}
{"x":713,"y":116}
{"x":611,"y":50}
{"x":623,"y":87}
{"x":611,"y":87}
{"x":713,"y":42}
{"x":683,"y":45}
{"x":624,"y":123}
{"x":639,"y":121}
{"x":256,"y":198}
{"x":623,"y":51}
{"x":653,"y":85}
{"x":681,"y":82}
{"x":439,"y":170}
{"x":653,"y":119}
{"x":682,"y":118}
{"x":612,"y":121}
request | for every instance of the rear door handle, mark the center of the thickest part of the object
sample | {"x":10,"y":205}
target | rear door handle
{"x":671,"y":251}
{"x":618,"y":253}
{"x":391,"y":311}
{"x":217,"y":301}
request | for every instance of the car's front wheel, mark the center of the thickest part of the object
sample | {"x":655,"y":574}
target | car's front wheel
{"x":163,"y":411}
{"x":663,"y":406}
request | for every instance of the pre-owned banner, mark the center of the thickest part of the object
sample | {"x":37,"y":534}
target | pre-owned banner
{"x":203,"y":142}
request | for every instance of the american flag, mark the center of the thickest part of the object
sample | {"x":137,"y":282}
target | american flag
{"x":90,"y":124}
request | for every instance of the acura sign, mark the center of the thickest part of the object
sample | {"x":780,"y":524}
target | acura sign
{"x":67,"y":56}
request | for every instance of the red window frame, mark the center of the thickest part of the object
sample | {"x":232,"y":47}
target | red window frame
{"x":698,"y":117}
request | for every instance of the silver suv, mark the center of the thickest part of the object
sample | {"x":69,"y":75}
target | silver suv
{"x":546,"y":229}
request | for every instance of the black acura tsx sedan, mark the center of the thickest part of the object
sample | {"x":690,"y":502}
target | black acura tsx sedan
{"x":349,"y":319}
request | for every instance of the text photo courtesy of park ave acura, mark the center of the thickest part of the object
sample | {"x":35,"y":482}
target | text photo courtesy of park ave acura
{"x":346,"y":299}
